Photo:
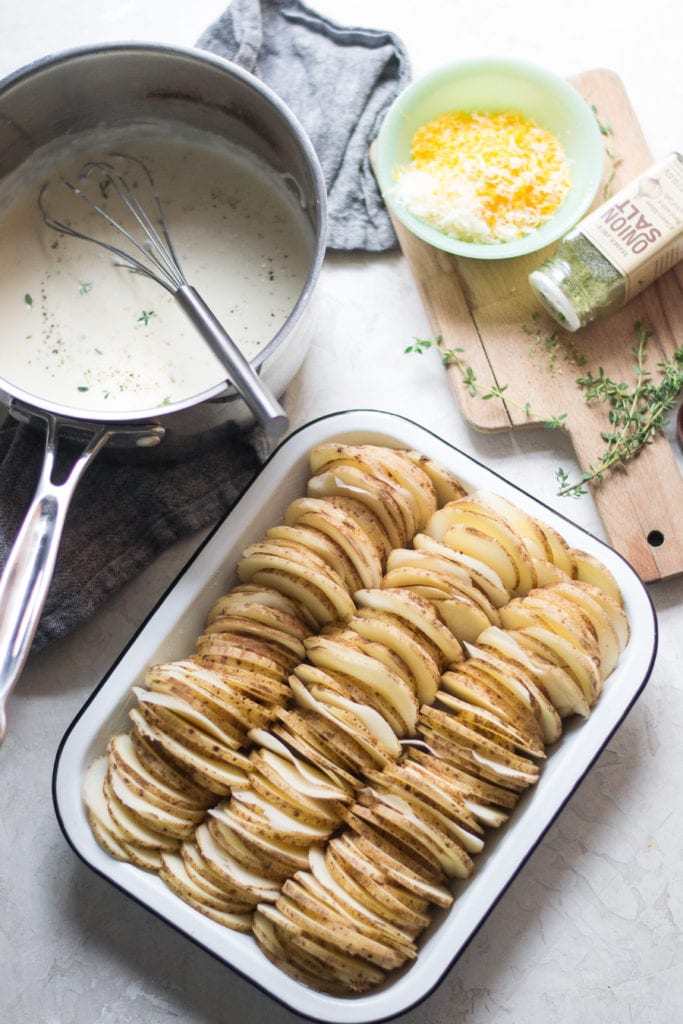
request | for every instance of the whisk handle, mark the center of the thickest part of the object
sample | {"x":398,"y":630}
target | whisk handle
{"x":255,"y":393}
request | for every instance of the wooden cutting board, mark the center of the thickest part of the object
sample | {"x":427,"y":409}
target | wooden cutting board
{"x":487,"y":309}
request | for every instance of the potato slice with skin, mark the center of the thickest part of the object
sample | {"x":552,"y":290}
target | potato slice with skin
{"x":395,"y":863}
{"x":293,"y":551}
{"x":257,"y":811}
{"x":238,"y":878}
{"x":435,"y":571}
{"x":250,"y":857}
{"x":290,"y":856}
{"x":571,"y":626}
{"x":239,"y":625}
{"x":438,"y":809}
{"x":123,"y":753}
{"x":609,"y":648}
{"x":471,"y":787}
{"x":316,"y":905}
{"x":323,"y":546}
{"x":536,"y":699}
{"x":363,"y":723}
{"x":446,"y":486}
{"x":426,"y":825}
{"x":469,"y":513}
{"x":293,"y":732}
{"x":217,"y":776}
{"x":154,"y":819}
{"x":292,"y":774}
{"x":587,"y":595}
{"x":337,"y":524}
{"x":190,"y":719}
{"x":589,"y":569}
{"x":329,"y":889}
{"x":400,"y":638}
{"x":164,"y":771}
{"x":473,"y":761}
{"x":297,"y":963}
{"x":248,"y":682}
{"x":130,"y":782}
{"x":481,"y":545}
{"x":312,"y":774}
{"x":418,"y":613}
{"x":114,"y":839}
{"x":260,"y":603}
{"x":319,"y":814}
{"x":308,"y":584}
{"x":358,"y":875}
{"x":381,"y":652}
{"x":176,"y":876}
{"x":370,"y":673}
{"x":329,"y":927}
{"x":395,"y":816}
{"x":547,"y":573}
{"x":348,"y":687}
{"x":464,"y":618}
{"x":561,"y":554}
{"x":563,"y":690}
{"x":235,"y":656}
{"x":582,"y":667}
{"x":522,"y":522}
{"x":497,"y":690}
{"x":481,"y":574}
{"x":488,"y":723}
{"x":234,"y":705}
{"x":182,"y":695}
{"x":338,"y":747}
{"x":463,"y":733}
{"x":353,"y":972}
{"x":392,"y":463}
{"x":345,"y":479}
{"x":297,"y":586}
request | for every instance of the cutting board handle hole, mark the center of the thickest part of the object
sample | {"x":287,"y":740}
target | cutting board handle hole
{"x":655,"y":538}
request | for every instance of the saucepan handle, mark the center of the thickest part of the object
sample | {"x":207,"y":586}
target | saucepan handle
{"x":28,"y":572}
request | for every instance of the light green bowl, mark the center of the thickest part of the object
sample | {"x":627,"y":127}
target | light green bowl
{"x":493,"y":86}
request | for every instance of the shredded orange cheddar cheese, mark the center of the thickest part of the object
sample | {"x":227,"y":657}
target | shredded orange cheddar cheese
{"x":483,"y":177}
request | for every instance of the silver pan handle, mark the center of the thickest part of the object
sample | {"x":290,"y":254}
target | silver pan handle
{"x":28,"y":572}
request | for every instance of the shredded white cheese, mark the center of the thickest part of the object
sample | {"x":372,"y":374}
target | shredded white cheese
{"x":484,"y":178}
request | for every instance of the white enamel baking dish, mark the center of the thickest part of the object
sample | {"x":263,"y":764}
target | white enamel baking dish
{"x":170,"y":631}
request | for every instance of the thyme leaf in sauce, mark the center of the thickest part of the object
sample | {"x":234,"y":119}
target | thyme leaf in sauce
{"x":28,"y":299}
{"x":145,"y":316}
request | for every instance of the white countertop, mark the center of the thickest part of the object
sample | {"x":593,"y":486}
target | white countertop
{"x":591,"y":928}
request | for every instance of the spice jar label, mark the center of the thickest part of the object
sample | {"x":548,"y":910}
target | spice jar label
{"x":640,"y":231}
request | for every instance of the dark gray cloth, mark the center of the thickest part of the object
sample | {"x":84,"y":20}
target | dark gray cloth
{"x":339,"y":83}
{"x":121,"y":516}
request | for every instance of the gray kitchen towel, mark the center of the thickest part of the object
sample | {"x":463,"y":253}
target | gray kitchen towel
{"x":339,"y":82}
{"x":121,"y":517}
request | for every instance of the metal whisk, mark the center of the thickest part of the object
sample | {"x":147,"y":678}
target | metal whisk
{"x":153,"y":255}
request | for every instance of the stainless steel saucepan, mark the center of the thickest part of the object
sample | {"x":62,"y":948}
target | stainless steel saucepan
{"x":114,"y":86}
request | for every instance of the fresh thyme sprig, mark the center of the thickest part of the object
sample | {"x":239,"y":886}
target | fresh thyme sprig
{"x":636,"y":414}
{"x":612,"y":156}
{"x":454,"y":357}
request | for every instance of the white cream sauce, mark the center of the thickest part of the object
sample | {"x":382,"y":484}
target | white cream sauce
{"x":78,"y":331}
